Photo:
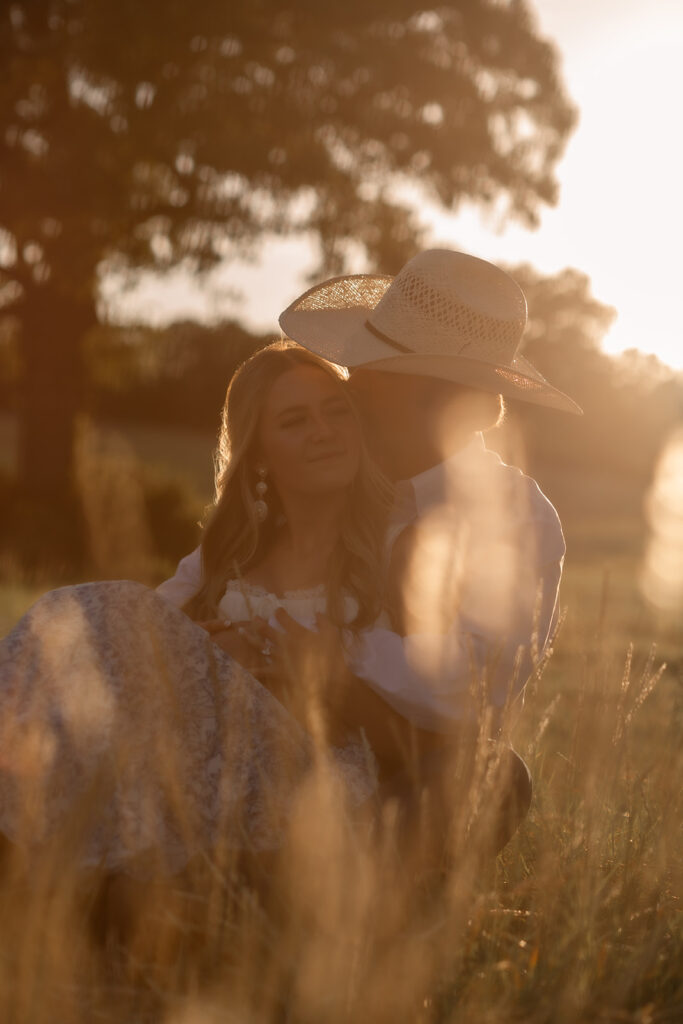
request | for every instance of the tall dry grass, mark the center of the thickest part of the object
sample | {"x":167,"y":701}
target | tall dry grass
{"x":577,"y":920}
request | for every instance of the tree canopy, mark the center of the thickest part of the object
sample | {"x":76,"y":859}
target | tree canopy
{"x":630,"y":403}
{"x":162,"y":133}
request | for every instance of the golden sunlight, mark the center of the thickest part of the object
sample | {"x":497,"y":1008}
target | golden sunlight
{"x":662,"y":575}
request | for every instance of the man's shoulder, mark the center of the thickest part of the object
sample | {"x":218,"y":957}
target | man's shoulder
{"x":536,"y":501}
{"x":498,"y":497}
{"x":533,"y":510}
{"x":483,"y":473}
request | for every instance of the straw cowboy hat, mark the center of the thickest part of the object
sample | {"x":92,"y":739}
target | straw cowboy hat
{"x":445,"y":315}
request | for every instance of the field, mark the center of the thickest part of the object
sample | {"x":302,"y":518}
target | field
{"x":578,"y":920}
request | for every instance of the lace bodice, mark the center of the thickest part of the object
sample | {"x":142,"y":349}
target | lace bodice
{"x":243,"y":601}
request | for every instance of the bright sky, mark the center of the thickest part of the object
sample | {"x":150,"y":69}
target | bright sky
{"x":620,"y":215}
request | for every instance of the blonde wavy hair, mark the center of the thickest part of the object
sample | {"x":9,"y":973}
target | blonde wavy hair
{"x":234,"y":541}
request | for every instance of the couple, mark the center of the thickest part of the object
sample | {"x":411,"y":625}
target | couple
{"x":371,"y":581}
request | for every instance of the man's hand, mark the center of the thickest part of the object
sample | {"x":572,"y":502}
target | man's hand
{"x":214,"y":625}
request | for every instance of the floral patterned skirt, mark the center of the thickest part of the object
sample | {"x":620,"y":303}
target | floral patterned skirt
{"x":125,"y":730}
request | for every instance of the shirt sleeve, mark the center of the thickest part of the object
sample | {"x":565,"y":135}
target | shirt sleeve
{"x":503,"y":617}
{"x":186,"y":581}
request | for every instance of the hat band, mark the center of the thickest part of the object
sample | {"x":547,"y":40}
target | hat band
{"x":389,"y":341}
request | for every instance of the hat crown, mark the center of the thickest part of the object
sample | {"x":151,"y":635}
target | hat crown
{"x":446,"y":314}
{"x":450,"y":303}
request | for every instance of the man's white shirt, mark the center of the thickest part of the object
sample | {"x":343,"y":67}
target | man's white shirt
{"x":483,"y":579}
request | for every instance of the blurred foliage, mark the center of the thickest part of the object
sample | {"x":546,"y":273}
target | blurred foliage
{"x":631,"y":403}
{"x":137,"y":521}
{"x":163,"y":134}
{"x":160,"y":131}
{"x":35,"y":541}
{"x":177,"y":376}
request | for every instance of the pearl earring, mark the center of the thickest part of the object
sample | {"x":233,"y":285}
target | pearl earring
{"x":260,"y":505}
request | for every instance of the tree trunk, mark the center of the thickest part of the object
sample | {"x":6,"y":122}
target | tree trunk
{"x":53,"y":328}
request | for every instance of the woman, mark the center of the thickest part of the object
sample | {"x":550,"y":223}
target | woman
{"x":300,"y":510}
{"x":151,"y":737}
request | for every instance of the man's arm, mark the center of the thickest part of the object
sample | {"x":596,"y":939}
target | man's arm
{"x":474,"y":622}
{"x":435,"y":680}
{"x":395,"y":739}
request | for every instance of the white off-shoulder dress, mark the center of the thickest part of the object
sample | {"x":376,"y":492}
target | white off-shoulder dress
{"x":127,"y":730}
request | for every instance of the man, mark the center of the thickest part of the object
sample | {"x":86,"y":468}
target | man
{"x":430,"y":353}
{"x":477,"y":549}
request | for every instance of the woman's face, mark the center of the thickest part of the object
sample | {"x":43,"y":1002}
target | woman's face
{"x":309,"y":437}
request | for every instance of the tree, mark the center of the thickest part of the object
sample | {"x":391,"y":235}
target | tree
{"x":157,"y":133}
{"x":631,"y":403}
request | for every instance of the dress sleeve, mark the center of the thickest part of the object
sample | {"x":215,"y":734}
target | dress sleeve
{"x":186,"y":581}
{"x":488,"y":614}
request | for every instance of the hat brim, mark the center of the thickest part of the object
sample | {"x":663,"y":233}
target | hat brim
{"x":521,"y":381}
{"x":340,"y":336}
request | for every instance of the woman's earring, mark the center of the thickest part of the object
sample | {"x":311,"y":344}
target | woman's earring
{"x":260,"y":505}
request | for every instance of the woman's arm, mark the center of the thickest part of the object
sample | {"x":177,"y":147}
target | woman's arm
{"x":186,"y":581}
